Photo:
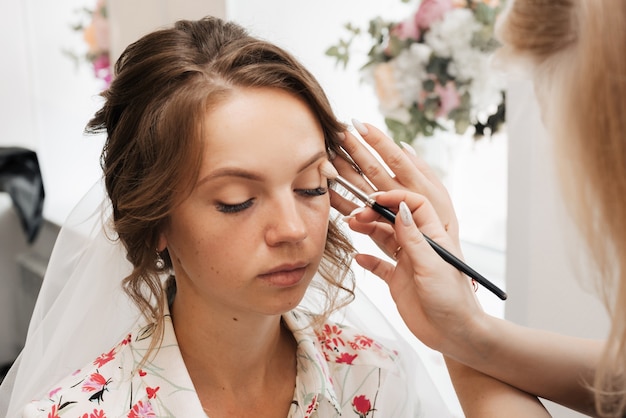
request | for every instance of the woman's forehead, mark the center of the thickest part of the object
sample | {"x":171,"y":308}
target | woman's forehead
{"x":263,"y":128}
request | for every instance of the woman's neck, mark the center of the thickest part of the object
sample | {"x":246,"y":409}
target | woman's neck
{"x":234,"y":358}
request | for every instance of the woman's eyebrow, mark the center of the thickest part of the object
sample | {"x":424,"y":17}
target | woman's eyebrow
{"x":313,"y":160}
{"x":249,"y":175}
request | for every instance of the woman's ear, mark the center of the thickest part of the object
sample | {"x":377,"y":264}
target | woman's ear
{"x":162,"y":244}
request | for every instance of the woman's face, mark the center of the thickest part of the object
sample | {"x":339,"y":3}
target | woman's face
{"x":251,"y":235}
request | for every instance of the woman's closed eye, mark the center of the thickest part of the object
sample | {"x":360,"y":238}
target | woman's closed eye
{"x":239,"y":207}
{"x":234,"y":208}
{"x":318,"y":191}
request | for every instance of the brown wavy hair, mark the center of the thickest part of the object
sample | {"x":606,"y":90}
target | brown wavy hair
{"x":163,"y":86}
{"x":576,"y":48}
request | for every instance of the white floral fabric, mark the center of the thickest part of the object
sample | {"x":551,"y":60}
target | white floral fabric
{"x":340,"y":373}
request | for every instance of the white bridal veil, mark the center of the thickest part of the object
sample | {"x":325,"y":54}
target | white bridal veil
{"x":82,"y":310}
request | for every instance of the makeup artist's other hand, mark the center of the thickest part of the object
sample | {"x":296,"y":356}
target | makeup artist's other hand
{"x":435,"y":300}
{"x":410,"y":173}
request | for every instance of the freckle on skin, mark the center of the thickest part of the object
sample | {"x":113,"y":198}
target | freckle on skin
{"x":235,"y":319}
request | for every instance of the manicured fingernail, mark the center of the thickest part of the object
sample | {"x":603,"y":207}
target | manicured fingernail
{"x":341,"y":136}
{"x":375,"y":195}
{"x":408,"y":148}
{"x":361,"y":129}
{"x":331,"y":154}
{"x":405,"y":214}
{"x":356,"y":211}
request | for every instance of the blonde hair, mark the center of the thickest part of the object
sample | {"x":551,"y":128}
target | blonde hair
{"x":576,"y":48}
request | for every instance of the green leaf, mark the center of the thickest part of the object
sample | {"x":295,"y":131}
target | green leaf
{"x":428,"y":85}
{"x":439,"y":67}
{"x":485,"y":14}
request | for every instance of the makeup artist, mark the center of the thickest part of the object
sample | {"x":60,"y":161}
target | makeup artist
{"x":574,"y":49}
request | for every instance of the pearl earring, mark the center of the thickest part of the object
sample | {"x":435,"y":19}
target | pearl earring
{"x":159,"y":263}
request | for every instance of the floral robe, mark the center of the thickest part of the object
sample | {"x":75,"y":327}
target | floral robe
{"x":340,"y":373}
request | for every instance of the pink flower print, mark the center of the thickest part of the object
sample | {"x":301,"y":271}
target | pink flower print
{"x":361,"y":342}
{"x":431,"y":11}
{"x":96,"y":383}
{"x":53,"y":412}
{"x":362,"y":406}
{"x":95,"y":414}
{"x":53,"y":392}
{"x":449,"y":98}
{"x":104,"y":358}
{"x":346,"y":358}
{"x":330,"y":336}
{"x":141,"y":410}
{"x":312,"y":406}
{"x":152,"y":392}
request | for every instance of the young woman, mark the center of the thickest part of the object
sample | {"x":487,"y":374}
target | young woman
{"x":215,"y":142}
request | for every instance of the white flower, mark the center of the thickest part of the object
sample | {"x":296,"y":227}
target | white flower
{"x":410,"y":72}
{"x":453,"y":33}
{"x":415,"y":90}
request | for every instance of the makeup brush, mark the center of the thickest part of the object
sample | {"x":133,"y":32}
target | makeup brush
{"x":329,"y":171}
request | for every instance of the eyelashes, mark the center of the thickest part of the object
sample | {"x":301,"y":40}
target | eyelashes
{"x":239,"y":207}
{"x":224,"y":208}
{"x":318,"y":191}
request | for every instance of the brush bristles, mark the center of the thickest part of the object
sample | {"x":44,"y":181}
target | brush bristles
{"x":328,"y":170}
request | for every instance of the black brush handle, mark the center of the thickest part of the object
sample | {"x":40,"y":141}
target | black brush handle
{"x":446,"y":255}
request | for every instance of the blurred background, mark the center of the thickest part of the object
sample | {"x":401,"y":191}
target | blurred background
{"x":513,"y":224}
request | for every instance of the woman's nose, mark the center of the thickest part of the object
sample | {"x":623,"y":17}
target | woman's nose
{"x":286,"y":223}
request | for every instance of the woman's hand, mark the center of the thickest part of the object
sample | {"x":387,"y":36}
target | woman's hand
{"x":435,"y":300}
{"x":408,"y":172}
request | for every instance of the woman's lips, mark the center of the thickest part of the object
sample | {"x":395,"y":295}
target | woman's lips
{"x":284,"y":276}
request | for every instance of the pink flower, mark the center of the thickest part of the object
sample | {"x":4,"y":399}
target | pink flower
{"x":95,"y":382}
{"x":362,"y":341}
{"x":102,"y":69}
{"x":104,"y":358}
{"x":407,"y":29}
{"x":95,"y":414}
{"x":152,"y":392}
{"x":53,"y":392}
{"x":362,"y":406}
{"x":431,"y":11}
{"x":141,"y":410}
{"x":449,"y":97}
{"x":330,"y":336}
{"x":311,"y":406}
{"x":53,"y":412}
{"x":346,"y":358}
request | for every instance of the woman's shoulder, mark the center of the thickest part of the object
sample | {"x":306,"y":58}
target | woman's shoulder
{"x":88,"y":390}
{"x":123,"y":381}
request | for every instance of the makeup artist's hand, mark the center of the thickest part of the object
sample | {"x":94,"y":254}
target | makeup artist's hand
{"x":409,"y":173}
{"x":435,"y":300}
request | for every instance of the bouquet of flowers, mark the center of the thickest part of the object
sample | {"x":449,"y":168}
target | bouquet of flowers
{"x":432,"y":70}
{"x":95,"y":31}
